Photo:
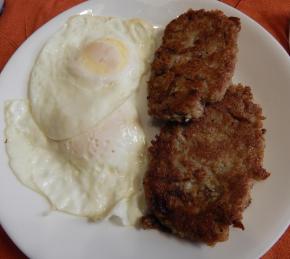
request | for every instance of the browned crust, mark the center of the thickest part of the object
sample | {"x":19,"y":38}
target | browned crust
{"x":200,"y":173}
{"x":193,"y":65}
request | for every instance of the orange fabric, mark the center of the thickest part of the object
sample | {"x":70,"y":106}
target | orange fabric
{"x":22,"y":17}
{"x":273,"y":15}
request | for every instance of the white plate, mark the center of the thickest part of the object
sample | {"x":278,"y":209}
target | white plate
{"x":262,"y":63}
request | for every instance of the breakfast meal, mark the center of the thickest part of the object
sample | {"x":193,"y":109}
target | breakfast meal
{"x":194,"y":64}
{"x":200,"y":173}
{"x":80,"y":141}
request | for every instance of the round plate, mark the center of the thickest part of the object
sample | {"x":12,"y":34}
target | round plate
{"x":262,"y":64}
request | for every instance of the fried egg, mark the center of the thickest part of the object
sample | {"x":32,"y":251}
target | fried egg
{"x":86,"y":71}
{"x":97,"y":174}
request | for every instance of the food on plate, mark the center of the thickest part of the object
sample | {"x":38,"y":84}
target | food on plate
{"x":194,"y":64}
{"x":96,"y":174}
{"x":77,"y":140}
{"x":200,"y":173}
{"x":86,"y":70}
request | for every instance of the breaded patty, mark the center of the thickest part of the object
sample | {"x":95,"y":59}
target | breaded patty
{"x":194,"y":64}
{"x":200,"y":173}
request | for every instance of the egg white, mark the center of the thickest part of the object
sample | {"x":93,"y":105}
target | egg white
{"x":97,"y":174}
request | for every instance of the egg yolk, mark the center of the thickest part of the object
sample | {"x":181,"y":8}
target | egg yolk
{"x":104,"y":57}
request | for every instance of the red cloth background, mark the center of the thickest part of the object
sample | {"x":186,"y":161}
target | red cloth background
{"x":23,"y":17}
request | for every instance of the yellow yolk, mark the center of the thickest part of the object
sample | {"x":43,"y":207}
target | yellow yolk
{"x":104,"y":57}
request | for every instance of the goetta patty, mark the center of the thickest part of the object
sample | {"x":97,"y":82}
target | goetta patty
{"x":200,"y":173}
{"x":194,"y":64}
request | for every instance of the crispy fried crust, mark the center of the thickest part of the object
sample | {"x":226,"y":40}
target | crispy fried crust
{"x":200,"y":173}
{"x":193,"y":65}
